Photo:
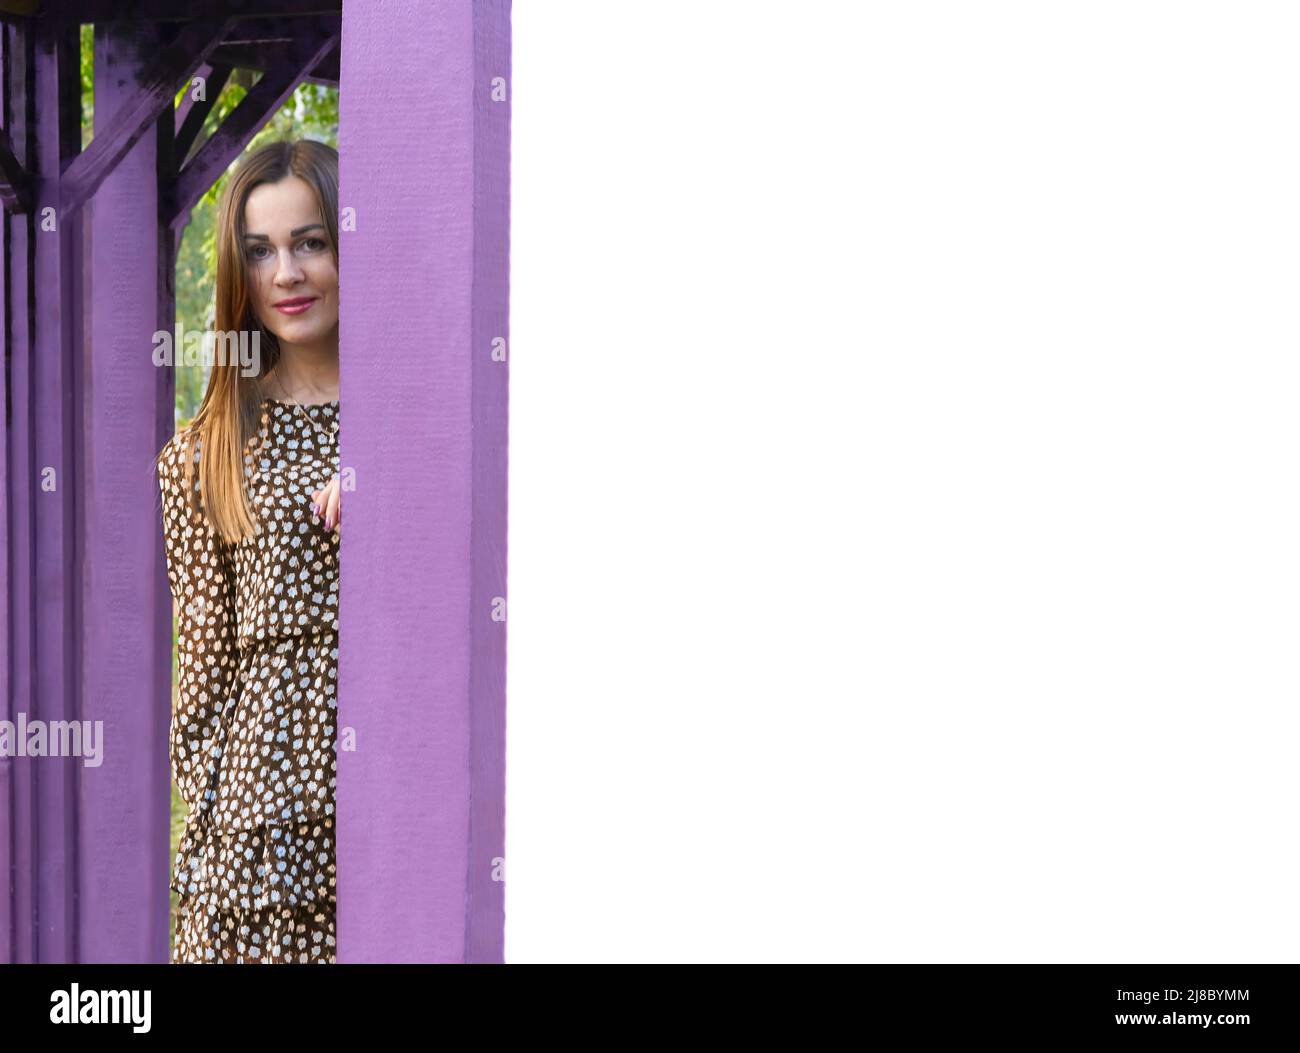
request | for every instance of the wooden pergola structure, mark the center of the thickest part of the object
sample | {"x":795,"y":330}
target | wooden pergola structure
{"x":89,"y":245}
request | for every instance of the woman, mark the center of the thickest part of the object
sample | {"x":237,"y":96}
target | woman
{"x":253,"y":569}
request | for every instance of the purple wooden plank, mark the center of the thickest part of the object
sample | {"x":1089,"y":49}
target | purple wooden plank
{"x":22,"y":482}
{"x":164,"y":10}
{"x":409,"y":888}
{"x":125,"y":802}
{"x":485,"y":909}
{"x":204,"y":71}
{"x":6,"y":765}
{"x":55,"y":441}
{"x":192,"y":113}
{"x":160,"y":405}
{"x":270,"y":56}
{"x":255,"y":33}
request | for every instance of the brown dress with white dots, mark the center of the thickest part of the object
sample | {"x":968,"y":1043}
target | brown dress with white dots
{"x":253,"y":731}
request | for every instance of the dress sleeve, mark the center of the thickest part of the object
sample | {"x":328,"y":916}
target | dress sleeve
{"x":201,"y":574}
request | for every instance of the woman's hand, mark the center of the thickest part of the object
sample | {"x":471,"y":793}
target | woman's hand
{"x":325,"y":503}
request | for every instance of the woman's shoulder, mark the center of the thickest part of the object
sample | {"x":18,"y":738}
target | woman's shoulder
{"x":184,"y":446}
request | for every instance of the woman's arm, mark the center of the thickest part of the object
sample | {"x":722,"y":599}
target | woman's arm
{"x":201,"y":574}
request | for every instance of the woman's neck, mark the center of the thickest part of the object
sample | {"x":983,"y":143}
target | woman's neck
{"x":305,"y":375}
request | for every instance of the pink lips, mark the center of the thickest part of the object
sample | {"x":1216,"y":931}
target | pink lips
{"x":295,"y":306}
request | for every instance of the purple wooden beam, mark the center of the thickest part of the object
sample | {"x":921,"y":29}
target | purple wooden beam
{"x":422,"y":637}
{"x":129,"y":409}
{"x":22,"y":483}
{"x":262,"y":30}
{"x":326,"y":70}
{"x":15,"y":183}
{"x":268,"y":44}
{"x":247,"y":119}
{"x":155,"y":90}
{"x":171,"y":11}
{"x":57,"y":436}
{"x":42,"y":586}
{"x":192,"y":113}
{"x":268,"y":56}
{"x":187,"y":105}
{"x":7,"y":654}
{"x":489,"y":331}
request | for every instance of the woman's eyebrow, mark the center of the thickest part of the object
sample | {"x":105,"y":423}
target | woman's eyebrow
{"x":293,"y":233}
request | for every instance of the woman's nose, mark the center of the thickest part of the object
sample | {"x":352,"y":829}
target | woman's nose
{"x":288,"y":269}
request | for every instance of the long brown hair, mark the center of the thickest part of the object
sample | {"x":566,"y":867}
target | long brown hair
{"x":227,"y":418}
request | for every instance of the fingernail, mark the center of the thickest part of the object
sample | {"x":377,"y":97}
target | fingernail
{"x":315,"y":510}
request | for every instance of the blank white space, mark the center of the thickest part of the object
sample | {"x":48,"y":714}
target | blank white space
{"x":904,"y":545}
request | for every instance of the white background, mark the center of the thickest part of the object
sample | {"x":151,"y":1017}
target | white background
{"x":904,"y":545}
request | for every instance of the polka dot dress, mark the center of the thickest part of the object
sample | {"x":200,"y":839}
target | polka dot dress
{"x":253,"y":731}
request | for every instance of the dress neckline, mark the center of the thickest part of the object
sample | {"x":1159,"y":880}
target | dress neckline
{"x":304,"y":405}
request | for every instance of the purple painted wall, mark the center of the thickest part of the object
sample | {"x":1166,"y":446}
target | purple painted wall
{"x":425,"y":165}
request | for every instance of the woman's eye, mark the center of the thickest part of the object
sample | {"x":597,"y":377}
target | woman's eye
{"x":309,"y":245}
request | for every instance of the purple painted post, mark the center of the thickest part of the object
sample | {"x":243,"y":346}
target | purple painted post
{"x":421,"y":799}
{"x":490,"y":323}
{"x":56,"y":435}
{"x":20,"y":480}
{"x":125,"y":802}
{"x":6,"y":764}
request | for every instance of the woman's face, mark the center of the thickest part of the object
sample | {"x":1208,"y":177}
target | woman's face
{"x":293,"y":282}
